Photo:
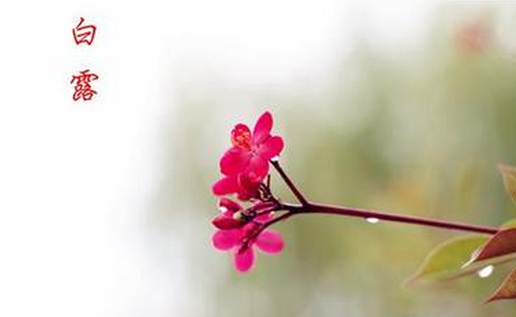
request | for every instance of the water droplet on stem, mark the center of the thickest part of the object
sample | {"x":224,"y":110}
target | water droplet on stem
{"x":372,"y":220}
{"x":485,"y":272}
{"x":275,"y":159}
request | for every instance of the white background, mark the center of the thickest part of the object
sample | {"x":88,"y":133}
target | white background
{"x":76,"y":178}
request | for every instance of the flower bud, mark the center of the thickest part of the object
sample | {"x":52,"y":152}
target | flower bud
{"x":225,"y":222}
{"x":226,"y":204}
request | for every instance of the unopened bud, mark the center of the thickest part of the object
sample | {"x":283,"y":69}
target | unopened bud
{"x":225,"y":222}
{"x":226,"y":204}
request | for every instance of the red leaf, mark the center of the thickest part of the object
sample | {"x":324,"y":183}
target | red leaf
{"x":502,"y":243}
{"x":507,"y":290}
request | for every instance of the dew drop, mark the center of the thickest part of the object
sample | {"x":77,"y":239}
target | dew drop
{"x":275,"y":159}
{"x":223,"y":209}
{"x":372,"y":220}
{"x":485,"y":272}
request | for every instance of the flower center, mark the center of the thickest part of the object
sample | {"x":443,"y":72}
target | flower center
{"x":241,"y":136}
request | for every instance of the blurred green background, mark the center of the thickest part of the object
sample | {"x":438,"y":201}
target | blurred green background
{"x":416,"y":130}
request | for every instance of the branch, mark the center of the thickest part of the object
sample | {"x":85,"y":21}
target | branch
{"x":312,"y":208}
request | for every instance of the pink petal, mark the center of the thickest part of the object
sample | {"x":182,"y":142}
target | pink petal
{"x":257,"y":168}
{"x":225,"y":239}
{"x":244,"y":195}
{"x":271,"y":148}
{"x":229,"y":204}
{"x":262,"y":128}
{"x":270,"y":242}
{"x":248,"y":184}
{"x":234,"y":161}
{"x":227,"y":185}
{"x":244,"y":261}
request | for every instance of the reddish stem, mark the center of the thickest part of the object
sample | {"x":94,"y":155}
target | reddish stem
{"x":289,"y":183}
{"x":312,"y":208}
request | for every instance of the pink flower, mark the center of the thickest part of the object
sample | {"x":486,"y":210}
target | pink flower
{"x":246,"y":164}
{"x":244,"y":185}
{"x":243,"y":239}
{"x":473,"y":37}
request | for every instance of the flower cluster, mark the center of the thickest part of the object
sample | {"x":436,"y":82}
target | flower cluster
{"x":243,"y":225}
{"x":240,"y":236}
{"x":244,"y":168}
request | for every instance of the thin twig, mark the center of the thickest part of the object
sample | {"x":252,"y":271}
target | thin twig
{"x":312,"y":208}
{"x":289,"y":183}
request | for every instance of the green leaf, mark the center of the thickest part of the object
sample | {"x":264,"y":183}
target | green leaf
{"x":448,"y":258}
{"x":495,"y":250}
{"x":507,"y":290}
{"x":509,"y":179}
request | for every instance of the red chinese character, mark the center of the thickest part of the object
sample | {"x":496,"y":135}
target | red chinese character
{"x":82,"y":85}
{"x":84,"y":33}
